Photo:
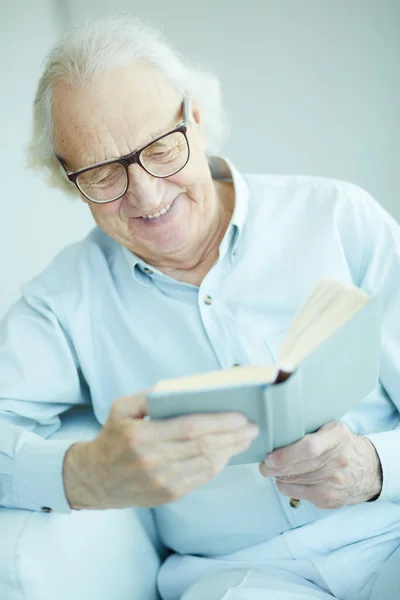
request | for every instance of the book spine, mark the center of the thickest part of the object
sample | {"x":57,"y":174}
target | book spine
{"x":269,"y":419}
{"x":284,"y":412}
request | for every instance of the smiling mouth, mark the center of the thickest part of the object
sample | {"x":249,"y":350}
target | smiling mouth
{"x":159,"y":214}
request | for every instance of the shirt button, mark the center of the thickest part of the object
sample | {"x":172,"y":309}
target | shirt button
{"x":46,"y":509}
{"x":148,"y":271}
{"x":294,"y":502}
{"x":236,"y":365}
{"x":208,"y":300}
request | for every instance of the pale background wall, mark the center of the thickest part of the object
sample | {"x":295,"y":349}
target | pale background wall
{"x":35,"y":222}
{"x":311,"y":86}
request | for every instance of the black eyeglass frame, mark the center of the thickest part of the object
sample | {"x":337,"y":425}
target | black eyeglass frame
{"x":133,"y":157}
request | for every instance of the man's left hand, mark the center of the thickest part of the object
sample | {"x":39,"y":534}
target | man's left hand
{"x":330,"y":468}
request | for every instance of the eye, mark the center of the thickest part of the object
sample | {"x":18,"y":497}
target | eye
{"x":102,"y":176}
{"x":165,"y":150}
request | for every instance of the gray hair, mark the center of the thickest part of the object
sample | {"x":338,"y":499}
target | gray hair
{"x":97,"y":47}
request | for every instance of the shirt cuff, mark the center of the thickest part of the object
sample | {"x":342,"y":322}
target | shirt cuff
{"x":387,"y":445}
{"x":38,"y":476}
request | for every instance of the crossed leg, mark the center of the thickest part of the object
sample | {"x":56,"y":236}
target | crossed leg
{"x":251,"y":584}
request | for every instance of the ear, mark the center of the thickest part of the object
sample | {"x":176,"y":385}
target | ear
{"x":196,"y":116}
{"x":196,"y":122}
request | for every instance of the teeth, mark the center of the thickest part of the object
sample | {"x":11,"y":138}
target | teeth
{"x":158,"y":214}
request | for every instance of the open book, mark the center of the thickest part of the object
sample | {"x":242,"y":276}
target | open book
{"x":329,"y":361}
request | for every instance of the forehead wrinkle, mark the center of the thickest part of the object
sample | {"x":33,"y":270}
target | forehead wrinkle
{"x":96,"y":144}
{"x":107,"y":146}
{"x":101,"y":126}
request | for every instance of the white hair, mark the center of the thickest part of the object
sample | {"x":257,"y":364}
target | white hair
{"x":97,"y":47}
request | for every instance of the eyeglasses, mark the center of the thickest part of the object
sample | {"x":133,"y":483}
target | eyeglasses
{"x":163,"y":157}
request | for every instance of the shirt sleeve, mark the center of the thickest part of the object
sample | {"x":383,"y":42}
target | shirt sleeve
{"x":372,"y":238}
{"x":39,"y":380}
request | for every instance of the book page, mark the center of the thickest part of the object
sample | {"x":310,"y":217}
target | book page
{"x":329,"y":306}
{"x":218,"y":379}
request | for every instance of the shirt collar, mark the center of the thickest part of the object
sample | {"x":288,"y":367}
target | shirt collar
{"x":140,"y":269}
{"x":222,"y":170}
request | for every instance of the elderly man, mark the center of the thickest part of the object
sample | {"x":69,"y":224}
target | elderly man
{"x":193,"y":267}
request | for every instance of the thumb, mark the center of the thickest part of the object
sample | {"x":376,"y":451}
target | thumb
{"x":131,"y":407}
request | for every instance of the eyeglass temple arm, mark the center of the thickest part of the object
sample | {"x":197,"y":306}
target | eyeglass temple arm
{"x":62,"y":163}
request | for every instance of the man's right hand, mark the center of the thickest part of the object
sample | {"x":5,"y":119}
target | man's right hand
{"x":140,"y":462}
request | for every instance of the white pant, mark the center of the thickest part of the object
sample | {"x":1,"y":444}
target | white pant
{"x":254,"y":584}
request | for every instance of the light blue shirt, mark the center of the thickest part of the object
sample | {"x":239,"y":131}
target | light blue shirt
{"x":100,"y":323}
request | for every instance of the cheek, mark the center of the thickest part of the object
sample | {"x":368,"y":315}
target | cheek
{"x":195,"y":173}
{"x":106,"y":212}
{"x":191,"y":182}
{"x":181,"y":179}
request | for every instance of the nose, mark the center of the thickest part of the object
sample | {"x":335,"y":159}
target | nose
{"x":142,"y":190}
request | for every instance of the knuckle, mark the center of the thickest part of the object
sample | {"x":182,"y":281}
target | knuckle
{"x":116,"y":406}
{"x":342,"y":427}
{"x":214,"y":463}
{"x":188,"y":429}
{"x":172,"y":495}
{"x":130,"y":438}
{"x":311,"y":445}
{"x":160,"y":482}
{"x":209,"y":465}
{"x":279,"y":460}
{"x":343,"y":461}
{"x":343,"y":431}
{"x":336,"y":479}
{"x":241,"y":438}
{"x":145,"y":462}
{"x":204,"y":445}
{"x":214,"y":466}
{"x":171,"y":492}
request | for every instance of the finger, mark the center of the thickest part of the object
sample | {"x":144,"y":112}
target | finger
{"x":190,"y":427}
{"x":310,"y":447}
{"x":200,"y":468}
{"x":180,"y":487}
{"x":300,"y":468}
{"x":316,"y":477}
{"x":180,"y":478}
{"x":293,"y":490}
{"x":130,"y":407}
{"x":208,"y":444}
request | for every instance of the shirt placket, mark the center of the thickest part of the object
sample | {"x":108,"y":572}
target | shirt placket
{"x":211,"y":302}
